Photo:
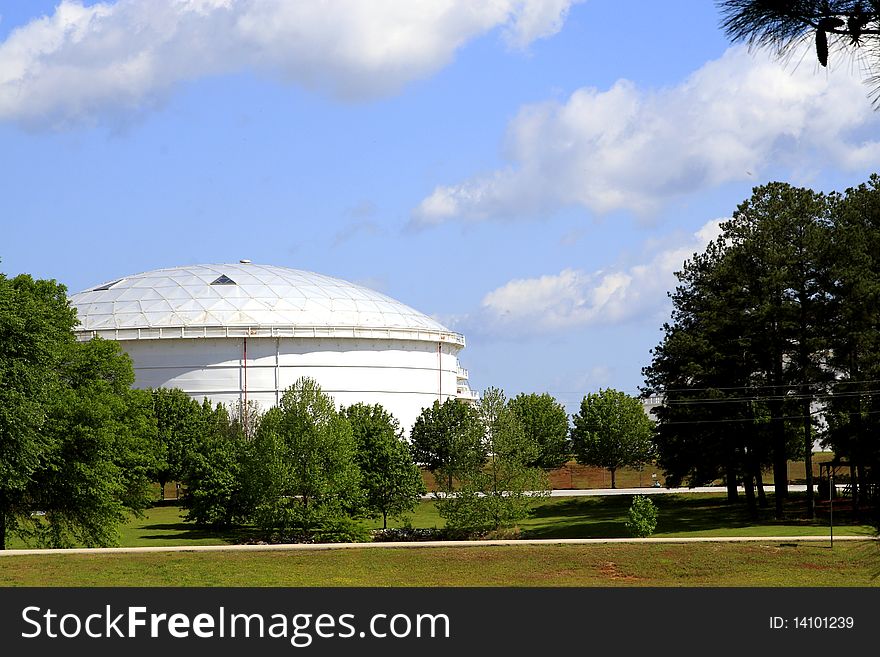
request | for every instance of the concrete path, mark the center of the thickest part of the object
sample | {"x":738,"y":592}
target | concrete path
{"x":583,"y":492}
{"x":563,"y":492}
{"x":302,"y":547}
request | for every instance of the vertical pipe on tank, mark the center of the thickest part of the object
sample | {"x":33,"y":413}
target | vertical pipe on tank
{"x":440,"y":371}
{"x":244,"y":372}
{"x":277,"y":371}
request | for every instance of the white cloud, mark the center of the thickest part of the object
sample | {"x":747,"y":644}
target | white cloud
{"x":82,"y":62}
{"x":363,"y":208}
{"x":574,"y":298}
{"x":631,"y":148}
{"x":358,"y":231}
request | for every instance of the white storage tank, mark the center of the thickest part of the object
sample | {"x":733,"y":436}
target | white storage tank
{"x":246,"y":332}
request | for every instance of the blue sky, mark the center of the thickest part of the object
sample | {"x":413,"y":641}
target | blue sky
{"x":530,"y":172}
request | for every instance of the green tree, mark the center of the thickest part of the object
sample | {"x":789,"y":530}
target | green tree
{"x":853,"y":406}
{"x":642,"y":517}
{"x":500,"y":492}
{"x":779,"y":242}
{"x":744,"y":358}
{"x":545,"y":423}
{"x":850,"y":26}
{"x":214,"y":469}
{"x":179,"y":421}
{"x":36,"y":325}
{"x":302,"y":474}
{"x":611,"y":431}
{"x":76,"y":443}
{"x":448,"y":440}
{"x":102,"y":450}
{"x":701,"y":359}
{"x":391,"y":480}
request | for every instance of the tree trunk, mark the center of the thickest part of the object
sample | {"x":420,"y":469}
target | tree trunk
{"x":4,"y":502}
{"x":806,"y":402}
{"x":613,"y":470}
{"x":856,"y":489}
{"x":162,"y":488}
{"x":808,"y":458}
{"x":863,"y":481}
{"x":384,"y":519}
{"x":759,"y":484}
{"x":730,"y":478}
{"x":780,"y":463}
{"x":749,"y":486}
{"x":776,"y":407}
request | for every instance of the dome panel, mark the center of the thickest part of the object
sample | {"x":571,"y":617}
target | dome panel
{"x":156,"y":305}
{"x":343,"y":305}
{"x":262,"y":296}
{"x":194,"y":318}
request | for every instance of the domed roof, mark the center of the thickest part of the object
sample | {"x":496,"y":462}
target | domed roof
{"x":212,"y":300}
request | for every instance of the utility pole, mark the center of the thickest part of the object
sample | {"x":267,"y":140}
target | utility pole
{"x":831,"y":502}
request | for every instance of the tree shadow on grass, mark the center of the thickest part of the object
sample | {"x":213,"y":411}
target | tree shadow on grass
{"x":586,"y":529}
{"x":582,"y":517}
{"x":684,"y":513}
{"x":604,"y":517}
{"x":182,"y":531}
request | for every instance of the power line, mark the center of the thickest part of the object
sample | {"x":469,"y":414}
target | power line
{"x":758,"y":420}
{"x":752,"y":387}
{"x":792,"y":397}
{"x":768,"y":385}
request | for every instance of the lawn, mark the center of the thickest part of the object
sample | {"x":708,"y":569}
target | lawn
{"x":704,"y":514}
{"x":687,"y":514}
{"x":722,"y":564}
{"x":713,"y":564}
{"x":679,"y":515}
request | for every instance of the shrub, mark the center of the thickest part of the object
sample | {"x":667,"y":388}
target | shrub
{"x":642,"y":517}
{"x":342,"y":530}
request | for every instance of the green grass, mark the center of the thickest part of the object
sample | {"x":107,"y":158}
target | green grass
{"x":682,"y":515}
{"x":689,"y":514}
{"x":567,"y":517}
{"x":715,"y":564}
{"x":164,"y":525}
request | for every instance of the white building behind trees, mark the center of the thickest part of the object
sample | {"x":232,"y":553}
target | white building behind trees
{"x":245,"y":332}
